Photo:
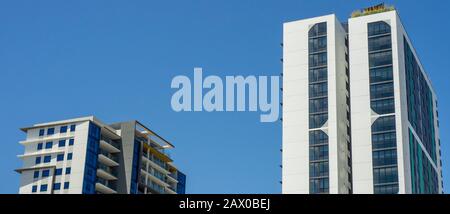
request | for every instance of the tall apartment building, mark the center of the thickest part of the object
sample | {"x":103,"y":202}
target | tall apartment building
{"x":359,"y":112}
{"x":86,"y":156}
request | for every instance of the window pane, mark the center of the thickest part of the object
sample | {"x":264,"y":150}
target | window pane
{"x":317,"y":121}
{"x":384,"y":140}
{"x":317,"y":75}
{"x":317,"y":153}
{"x":380,"y":58}
{"x":384,"y":124}
{"x":378,"y":28}
{"x":385,"y":106}
{"x":384,"y":90}
{"x":317,"y":44}
{"x":381,"y":74}
{"x":318,"y":30}
{"x":380,"y":43}
{"x":319,"y":59}
{"x":318,"y":90}
{"x":385,"y":175}
{"x":385,"y":157}
{"x":318,"y":105}
{"x":317,"y":137}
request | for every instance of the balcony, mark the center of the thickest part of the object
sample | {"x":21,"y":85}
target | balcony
{"x":108,"y":159}
{"x":104,"y":186}
{"x":109,"y":146}
{"x":170,"y":190}
{"x":159,"y":167}
{"x":106,"y":172}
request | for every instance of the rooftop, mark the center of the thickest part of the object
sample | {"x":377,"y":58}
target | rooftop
{"x":380,"y":8}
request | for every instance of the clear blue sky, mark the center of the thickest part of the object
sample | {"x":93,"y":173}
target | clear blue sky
{"x":116,"y":59}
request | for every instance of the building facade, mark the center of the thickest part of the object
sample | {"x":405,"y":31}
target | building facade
{"x":86,"y":156}
{"x":359,"y":112}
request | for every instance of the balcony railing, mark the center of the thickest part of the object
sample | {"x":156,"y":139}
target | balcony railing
{"x":109,"y":155}
{"x":106,"y":183}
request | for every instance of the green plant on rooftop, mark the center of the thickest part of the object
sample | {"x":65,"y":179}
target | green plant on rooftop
{"x":381,"y":8}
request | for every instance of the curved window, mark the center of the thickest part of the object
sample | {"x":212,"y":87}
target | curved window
{"x":318,"y":120}
{"x":318,"y":30}
{"x":317,"y":137}
{"x":384,"y":124}
{"x":379,"y":28}
{"x":384,"y":106}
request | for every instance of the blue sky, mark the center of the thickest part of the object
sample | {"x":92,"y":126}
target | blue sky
{"x":116,"y":59}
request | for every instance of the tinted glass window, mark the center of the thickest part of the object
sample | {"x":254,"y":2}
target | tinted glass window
{"x":380,"y":43}
{"x":378,"y":28}
{"x":385,"y":106}
{"x":317,"y":75}
{"x":318,"y":105}
{"x":381,"y":74}
{"x":318,"y":90}
{"x":380,"y":58}
{"x":382,"y":90}
{"x":317,"y":121}
{"x":384,"y":124}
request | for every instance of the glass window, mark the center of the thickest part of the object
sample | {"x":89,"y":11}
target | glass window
{"x":384,"y":124}
{"x":317,"y":153}
{"x":320,"y":185}
{"x":58,"y":171}
{"x":72,"y":128}
{"x":319,"y":59}
{"x":319,"y":169}
{"x":60,"y":157}
{"x":47,"y":159}
{"x":62,"y":143}
{"x":69,"y":156}
{"x":317,"y":137}
{"x":57,"y":186}
{"x":378,"y":28}
{"x":68,"y":170}
{"x":380,"y":43}
{"x":381,"y":74}
{"x":318,"y":44}
{"x":318,"y":75}
{"x":383,"y":90}
{"x":36,"y":174}
{"x":71,"y":141}
{"x":380,"y":59}
{"x":386,"y":189}
{"x":48,"y":145}
{"x":384,"y":140}
{"x":34,"y":188}
{"x":66,"y":185}
{"x":318,"y":30}
{"x":318,"y":90}
{"x":318,"y":105}
{"x":38,"y":160}
{"x":45,"y":173}
{"x":385,"y":106}
{"x":41,"y":132}
{"x":385,"y":157}
{"x":50,"y":131}
{"x":317,"y":121}
{"x":385,"y":175}
{"x":39,"y":146}
{"x":63,"y":129}
{"x":43,"y":188}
